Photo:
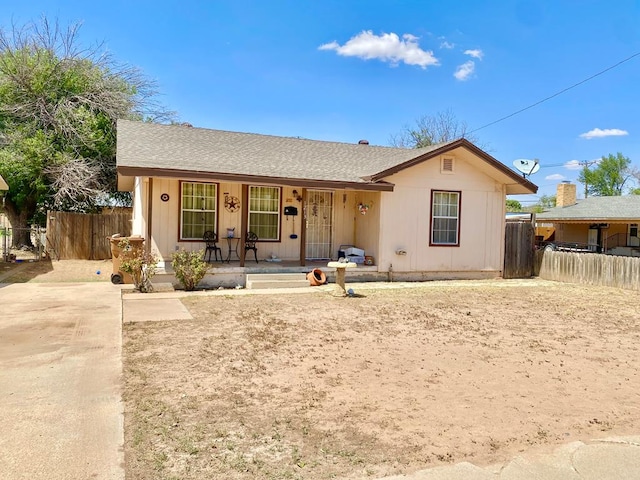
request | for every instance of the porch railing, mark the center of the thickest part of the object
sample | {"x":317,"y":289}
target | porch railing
{"x":621,"y":240}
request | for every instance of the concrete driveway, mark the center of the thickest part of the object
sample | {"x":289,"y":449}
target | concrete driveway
{"x":60,"y":370}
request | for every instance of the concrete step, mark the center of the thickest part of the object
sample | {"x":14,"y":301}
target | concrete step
{"x":256,"y":281}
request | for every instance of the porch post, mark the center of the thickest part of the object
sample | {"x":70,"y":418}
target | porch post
{"x":244,"y":221}
{"x":303,"y":229}
{"x":149,"y":216}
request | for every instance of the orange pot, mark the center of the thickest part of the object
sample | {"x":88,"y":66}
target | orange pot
{"x":316,"y":277}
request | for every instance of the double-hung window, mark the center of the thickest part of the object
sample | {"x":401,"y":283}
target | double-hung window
{"x":198,"y":204}
{"x":264,"y":212}
{"x":445,"y":218}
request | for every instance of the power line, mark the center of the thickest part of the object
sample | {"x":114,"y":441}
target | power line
{"x":557,"y":93}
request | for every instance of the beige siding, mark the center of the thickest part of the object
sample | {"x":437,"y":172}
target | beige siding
{"x":367,"y":226}
{"x":406,"y":212}
{"x":166,"y":218}
{"x":395,"y":221}
{"x":166,"y":221}
{"x":344,"y":216}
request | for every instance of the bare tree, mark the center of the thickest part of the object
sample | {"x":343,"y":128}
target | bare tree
{"x":429,"y":130}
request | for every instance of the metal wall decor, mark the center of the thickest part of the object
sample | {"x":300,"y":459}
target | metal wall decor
{"x":164,"y":197}
{"x":231,"y":203}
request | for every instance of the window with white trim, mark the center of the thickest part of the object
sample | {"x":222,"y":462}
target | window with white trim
{"x":264,"y":212}
{"x":198,"y":209}
{"x":445,"y":218}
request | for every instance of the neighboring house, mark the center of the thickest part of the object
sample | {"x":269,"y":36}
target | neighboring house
{"x":603,"y":224}
{"x":418,"y":212}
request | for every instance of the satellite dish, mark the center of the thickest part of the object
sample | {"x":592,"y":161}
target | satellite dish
{"x":526,"y":167}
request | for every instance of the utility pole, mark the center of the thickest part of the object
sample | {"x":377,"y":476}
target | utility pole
{"x":586,"y":164}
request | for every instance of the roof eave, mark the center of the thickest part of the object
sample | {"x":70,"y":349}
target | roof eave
{"x":380,"y":186}
{"x":589,"y":220}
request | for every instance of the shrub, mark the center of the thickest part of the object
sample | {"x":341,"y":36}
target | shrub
{"x":138,"y":263}
{"x":189,"y":267}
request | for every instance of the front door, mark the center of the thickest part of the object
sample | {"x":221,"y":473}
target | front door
{"x":319,"y":214}
{"x":632,"y":235}
{"x":592,"y":239}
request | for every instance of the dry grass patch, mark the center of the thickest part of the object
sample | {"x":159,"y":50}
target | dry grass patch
{"x":310,"y":386}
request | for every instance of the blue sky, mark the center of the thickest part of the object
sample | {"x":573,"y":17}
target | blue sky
{"x":348,"y":70}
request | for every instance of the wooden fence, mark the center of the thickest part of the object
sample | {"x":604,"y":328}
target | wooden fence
{"x":84,"y":236}
{"x":518,"y":250}
{"x":591,"y":269}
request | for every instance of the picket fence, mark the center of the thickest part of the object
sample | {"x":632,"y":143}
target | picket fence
{"x":591,"y":269}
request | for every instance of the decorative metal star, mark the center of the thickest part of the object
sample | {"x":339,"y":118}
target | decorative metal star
{"x":231,"y":203}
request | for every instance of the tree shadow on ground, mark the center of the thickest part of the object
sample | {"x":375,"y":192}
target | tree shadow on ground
{"x":23,"y":271}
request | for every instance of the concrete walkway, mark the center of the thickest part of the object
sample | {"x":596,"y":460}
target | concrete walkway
{"x":60,"y":382}
{"x":614,"y":458}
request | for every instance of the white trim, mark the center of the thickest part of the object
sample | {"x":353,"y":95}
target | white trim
{"x":213,"y":210}
{"x":446,"y":217}
{"x":267,"y":212}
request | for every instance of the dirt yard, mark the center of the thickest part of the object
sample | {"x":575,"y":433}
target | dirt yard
{"x":314,"y":387}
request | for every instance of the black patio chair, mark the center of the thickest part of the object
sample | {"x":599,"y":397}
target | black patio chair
{"x":211,"y":239}
{"x":250,"y":244}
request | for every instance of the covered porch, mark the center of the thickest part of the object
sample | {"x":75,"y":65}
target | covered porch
{"x":297,"y":225}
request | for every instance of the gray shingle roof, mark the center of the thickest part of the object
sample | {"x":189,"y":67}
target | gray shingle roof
{"x":183,"y":149}
{"x":605,"y":209}
{"x":146,"y":145}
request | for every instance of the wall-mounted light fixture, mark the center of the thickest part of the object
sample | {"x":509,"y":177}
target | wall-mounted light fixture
{"x":296,"y":195}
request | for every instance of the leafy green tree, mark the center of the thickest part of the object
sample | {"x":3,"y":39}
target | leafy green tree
{"x":545,"y":203}
{"x":513,"y":206}
{"x":609,"y":177}
{"x":432,"y":129}
{"x":59,"y":103}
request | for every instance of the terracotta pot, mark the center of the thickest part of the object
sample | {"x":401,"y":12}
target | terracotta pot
{"x":316,"y":277}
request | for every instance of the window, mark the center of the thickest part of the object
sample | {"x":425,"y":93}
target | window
{"x":445,"y":218}
{"x":264,"y":212}
{"x":197,"y":209}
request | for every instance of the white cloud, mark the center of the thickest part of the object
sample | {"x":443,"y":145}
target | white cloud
{"x":329,"y":46}
{"x":447,"y":45}
{"x":464,"y":71}
{"x":555,"y":176}
{"x":607,"y":132}
{"x":476,"y":53}
{"x":387,"y":47}
{"x":573,"y":165}
{"x":578,"y":165}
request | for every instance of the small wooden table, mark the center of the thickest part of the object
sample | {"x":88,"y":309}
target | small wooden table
{"x":341,"y":268}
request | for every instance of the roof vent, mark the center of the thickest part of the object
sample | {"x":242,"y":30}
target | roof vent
{"x":363,"y":142}
{"x":446,"y":166}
